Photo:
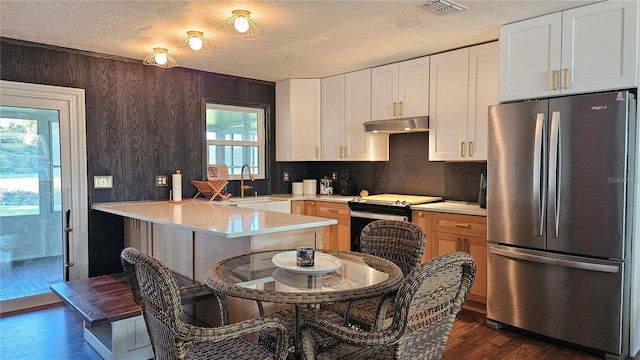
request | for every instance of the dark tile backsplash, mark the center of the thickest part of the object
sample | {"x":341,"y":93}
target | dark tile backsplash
{"x":408,"y":171}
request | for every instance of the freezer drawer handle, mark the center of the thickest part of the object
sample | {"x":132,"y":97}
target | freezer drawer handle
{"x":554,"y":261}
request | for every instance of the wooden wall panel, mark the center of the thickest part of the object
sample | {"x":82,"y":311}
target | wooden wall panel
{"x":142,"y":121}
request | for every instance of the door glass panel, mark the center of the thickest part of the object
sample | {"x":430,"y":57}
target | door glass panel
{"x":30,"y":202}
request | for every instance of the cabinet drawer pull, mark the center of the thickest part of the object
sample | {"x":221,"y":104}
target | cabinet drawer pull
{"x":395,"y":108}
{"x":462,"y":149}
{"x":566,"y":72}
{"x":462,"y":225}
{"x":553,"y":80}
{"x":401,"y":107}
{"x":470,"y":148}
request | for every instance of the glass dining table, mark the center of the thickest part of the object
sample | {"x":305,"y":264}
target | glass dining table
{"x":337,"y":276}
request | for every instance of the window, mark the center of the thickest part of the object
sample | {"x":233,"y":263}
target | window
{"x":235,"y":136}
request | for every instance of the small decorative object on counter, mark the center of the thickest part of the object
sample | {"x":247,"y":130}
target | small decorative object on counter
{"x":326,"y":186}
{"x":176,"y":186}
{"x":297,"y":188}
{"x":310,"y":186}
{"x":482,"y":194}
{"x":305,"y":256}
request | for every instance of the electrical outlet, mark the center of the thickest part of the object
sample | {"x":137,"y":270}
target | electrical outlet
{"x":285,"y":176}
{"x":334,"y":175}
{"x":103,"y":182}
{"x":161,"y":180}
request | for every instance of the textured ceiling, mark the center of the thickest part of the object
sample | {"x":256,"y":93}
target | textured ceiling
{"x":301,"y":38}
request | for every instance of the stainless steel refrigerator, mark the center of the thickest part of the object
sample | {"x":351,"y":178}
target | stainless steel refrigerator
{"x":559,"y":217}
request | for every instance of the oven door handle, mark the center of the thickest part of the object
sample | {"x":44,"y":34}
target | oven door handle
{"x":376,"y":216}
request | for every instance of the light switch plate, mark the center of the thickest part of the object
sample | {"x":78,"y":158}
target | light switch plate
{"x":161,"y":180}
{"x":103,"y":182}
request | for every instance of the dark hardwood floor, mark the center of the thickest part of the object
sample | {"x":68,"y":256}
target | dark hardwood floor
{"x":56,"y":333}
{"x":46,"y":333}
{"x":471,"y":339}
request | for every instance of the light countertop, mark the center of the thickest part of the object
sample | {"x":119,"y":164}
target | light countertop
{"x":449,"y":206}
{"x":317,"y":197}
{"x":455,"y":207}
{"x":212,"y":218}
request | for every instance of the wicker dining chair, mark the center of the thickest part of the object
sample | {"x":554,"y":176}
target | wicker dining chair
{"x":426,"y":306}
{"x":401,"y":242}
{"x":157,"y":293}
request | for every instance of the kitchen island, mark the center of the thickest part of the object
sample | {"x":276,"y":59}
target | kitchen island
{"x":190,"y":236}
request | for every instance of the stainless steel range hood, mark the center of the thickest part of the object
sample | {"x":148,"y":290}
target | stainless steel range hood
{"x":401,"y":125}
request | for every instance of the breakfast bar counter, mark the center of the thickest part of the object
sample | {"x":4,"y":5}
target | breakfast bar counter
{"x":213,"y":218}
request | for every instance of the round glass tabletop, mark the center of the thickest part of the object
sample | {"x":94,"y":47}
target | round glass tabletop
{"x":254,"y":276}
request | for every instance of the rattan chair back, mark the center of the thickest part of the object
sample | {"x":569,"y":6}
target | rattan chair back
{"x":427,"y":304}
{"x":156,"y":291}
{"x":401,"y":242}
{"x":425,"y":308}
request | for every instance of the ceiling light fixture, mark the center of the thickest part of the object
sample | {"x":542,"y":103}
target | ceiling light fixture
{"x":160,"y":57}
{"x":242,"y":26}
{"x":195,"y":42}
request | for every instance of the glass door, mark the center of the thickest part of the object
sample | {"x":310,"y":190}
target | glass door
{"x":31,"y":236}
{"x":43,"y":192}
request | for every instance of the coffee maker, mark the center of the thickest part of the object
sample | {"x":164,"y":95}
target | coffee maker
{"x":346,"y":185}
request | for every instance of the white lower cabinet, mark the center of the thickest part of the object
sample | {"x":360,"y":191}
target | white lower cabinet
{"x":125,"y":339}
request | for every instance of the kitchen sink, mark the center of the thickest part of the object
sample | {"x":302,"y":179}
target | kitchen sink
{"x":283,"y":206}
{"x":255,"y":200}
{"x":266,"y":203}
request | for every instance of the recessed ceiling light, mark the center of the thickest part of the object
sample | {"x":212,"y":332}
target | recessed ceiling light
{"x":408,"y":23}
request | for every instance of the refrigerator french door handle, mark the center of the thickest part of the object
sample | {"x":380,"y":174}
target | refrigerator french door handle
{"x":554,"y":173}
{"x":538,"y":193}
{"x":515,"y":254}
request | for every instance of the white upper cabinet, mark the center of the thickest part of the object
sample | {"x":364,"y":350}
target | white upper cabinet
{"x":361,"y":145}
{"x":298,"y":120}
{"x":333,"y":118}
{"x":590,"y":48}
{"x":400,"y":89}
{"x":463,"y":83}
{"x":346,"y":105}
{"x":599,"y":47}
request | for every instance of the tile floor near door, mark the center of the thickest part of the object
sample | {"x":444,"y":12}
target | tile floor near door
{"x":22,"y":278}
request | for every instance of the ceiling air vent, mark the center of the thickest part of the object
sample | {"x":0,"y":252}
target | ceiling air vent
{"x":444,"y":7}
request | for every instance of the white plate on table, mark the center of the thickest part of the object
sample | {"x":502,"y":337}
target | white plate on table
{"x":323,"y":263}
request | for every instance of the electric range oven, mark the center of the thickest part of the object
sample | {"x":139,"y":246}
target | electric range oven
{"x":365,"y":210}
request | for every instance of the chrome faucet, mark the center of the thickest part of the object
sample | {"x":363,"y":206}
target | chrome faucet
{"x":244,"y":187}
